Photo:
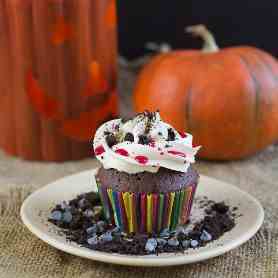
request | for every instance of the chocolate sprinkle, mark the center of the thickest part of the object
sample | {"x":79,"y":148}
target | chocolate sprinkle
{"x":95,"y":233}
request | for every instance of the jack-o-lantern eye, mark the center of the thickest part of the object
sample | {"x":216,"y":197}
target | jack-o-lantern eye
{"x":111,"y":15}
{"x":45,"y":105}
{"x":84,"y":126}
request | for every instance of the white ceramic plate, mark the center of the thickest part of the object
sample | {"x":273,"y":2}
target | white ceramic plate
{"x":36,"y":208}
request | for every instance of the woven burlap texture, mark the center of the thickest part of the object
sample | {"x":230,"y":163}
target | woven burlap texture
{"x":23,"y":255}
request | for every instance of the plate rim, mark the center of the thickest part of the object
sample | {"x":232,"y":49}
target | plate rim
{"x":132,"y":260}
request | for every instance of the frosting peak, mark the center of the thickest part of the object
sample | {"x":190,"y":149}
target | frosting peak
{"x":143,"y":143}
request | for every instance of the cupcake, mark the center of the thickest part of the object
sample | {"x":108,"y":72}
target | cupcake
{"x":146,"y":181}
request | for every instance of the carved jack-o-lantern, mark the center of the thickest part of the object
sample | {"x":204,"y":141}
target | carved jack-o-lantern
{"x":57,"y":75}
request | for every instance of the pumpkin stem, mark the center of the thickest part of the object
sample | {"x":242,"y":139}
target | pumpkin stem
{"x":202,"y":32}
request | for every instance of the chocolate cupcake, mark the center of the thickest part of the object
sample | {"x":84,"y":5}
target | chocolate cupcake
{"x":146,"y":181}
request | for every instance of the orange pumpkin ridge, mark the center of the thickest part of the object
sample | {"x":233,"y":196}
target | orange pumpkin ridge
{"x":111,"y":15}
{"x":62,"y":31}
{"x":227,"y":98}
{"x":257,"y":92}
{"x":264,"y":76}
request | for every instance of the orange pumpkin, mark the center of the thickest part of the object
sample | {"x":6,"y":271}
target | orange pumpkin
{"x":228,"y":98}
{"x":57,"y":76}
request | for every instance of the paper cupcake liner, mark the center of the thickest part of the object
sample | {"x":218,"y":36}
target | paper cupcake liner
{"x":147,"y":212}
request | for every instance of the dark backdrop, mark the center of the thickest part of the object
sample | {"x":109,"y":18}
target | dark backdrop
{"x":233,"y":22}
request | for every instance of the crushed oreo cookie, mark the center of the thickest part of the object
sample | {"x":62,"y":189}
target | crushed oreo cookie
{"x":148,"y":114}
{"x":151,"y":116}
{"x":221,"y":208}
{"x":129,"y":137}
{"x":111,"y":140}
{"x":81,"y":220}
{"x":171,"y":135}
{"x":143,"y":139}
{"x":106,"y":132}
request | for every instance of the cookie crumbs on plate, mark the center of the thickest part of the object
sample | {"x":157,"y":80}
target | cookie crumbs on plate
{"x":81,"y":220}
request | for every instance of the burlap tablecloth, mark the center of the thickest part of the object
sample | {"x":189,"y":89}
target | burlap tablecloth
{"x":23,"y":255}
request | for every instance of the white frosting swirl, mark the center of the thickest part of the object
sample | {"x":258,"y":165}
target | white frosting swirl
{"x":132,"y":157}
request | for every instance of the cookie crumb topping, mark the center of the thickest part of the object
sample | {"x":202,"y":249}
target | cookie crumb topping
{"x":171,"y":135}
{"x":111,"y":140}
{"x":147,"y":135}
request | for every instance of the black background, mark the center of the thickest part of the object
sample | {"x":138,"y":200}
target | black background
{"x":233,"y":22}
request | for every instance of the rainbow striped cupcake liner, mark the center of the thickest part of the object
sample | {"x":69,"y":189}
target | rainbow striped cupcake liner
{"x":147,"y":212}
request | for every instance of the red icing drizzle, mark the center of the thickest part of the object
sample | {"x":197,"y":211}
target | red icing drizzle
{"x":99,"y":150}
{"x":177,"y":153}
{"x":122,"y":152}
{"x":141,"y":159}
{"x":182,"y":134}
